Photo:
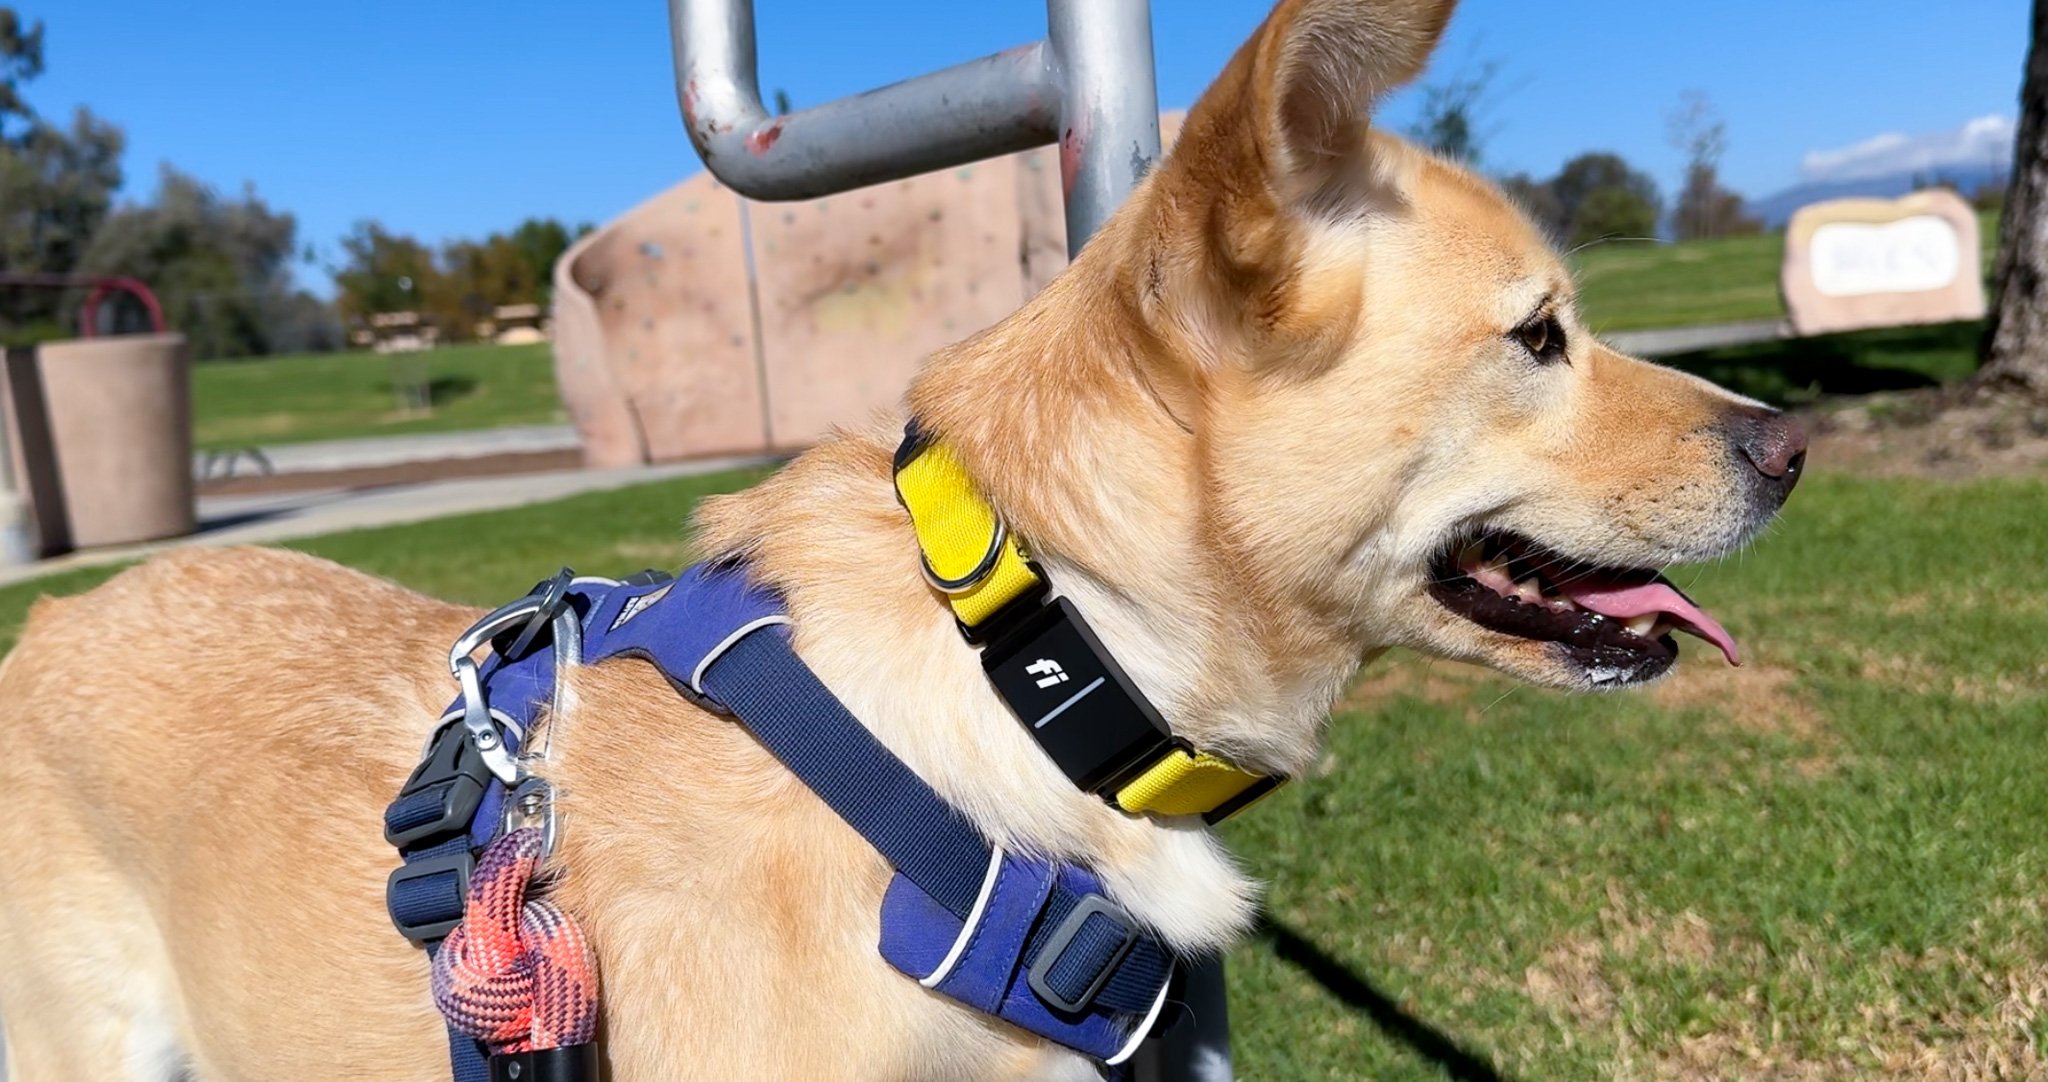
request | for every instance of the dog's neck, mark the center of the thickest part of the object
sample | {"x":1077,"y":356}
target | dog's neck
{"x":1080,"y":418}
{"x":1079,"y":456}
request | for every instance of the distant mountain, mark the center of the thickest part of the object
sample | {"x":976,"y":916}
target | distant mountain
{"x":1776,"y":210}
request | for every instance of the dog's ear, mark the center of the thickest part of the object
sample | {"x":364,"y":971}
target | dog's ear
{"x":1280,"y":136}
{"x":1317,"y":69}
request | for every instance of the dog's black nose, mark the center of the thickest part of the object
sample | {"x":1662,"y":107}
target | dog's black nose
{"x":1774,"y":443}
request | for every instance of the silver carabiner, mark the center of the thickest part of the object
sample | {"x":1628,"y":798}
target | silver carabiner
{"x":482,"y":724}
{"x":567,"y":629}
{"x":532,"y":804}
{"x":496,"y":622}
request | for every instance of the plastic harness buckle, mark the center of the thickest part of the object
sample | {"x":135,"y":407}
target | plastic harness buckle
{"x":425,"y":896}
{"x":1098,"y":933}
{"x":443,"y":793}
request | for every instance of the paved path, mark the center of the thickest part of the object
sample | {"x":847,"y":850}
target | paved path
{"x":333,"y":456}
{"x":247,"y":520}
{"x":1666,"y":341}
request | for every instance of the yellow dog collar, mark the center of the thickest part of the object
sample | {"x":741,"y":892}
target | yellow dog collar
{"x":1045,"y":661}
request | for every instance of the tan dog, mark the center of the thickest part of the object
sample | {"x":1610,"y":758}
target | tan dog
{"x":1311,"y":394}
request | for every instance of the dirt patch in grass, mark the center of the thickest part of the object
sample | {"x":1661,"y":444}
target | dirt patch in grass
{"x":1897,"y":1038}
{"x":1918,"y":676}
{"x":1569,"y":983}
{"x":1936,"y":1014}
{"x":1430,"y":680}
{"x":1929,"y":433}
{"x":1760,"y":698}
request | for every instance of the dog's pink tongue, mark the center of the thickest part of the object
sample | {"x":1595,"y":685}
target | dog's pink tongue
{"x":1625,"y":600}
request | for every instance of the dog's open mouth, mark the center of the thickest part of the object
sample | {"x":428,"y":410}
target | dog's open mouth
{"x":1612,"y":618}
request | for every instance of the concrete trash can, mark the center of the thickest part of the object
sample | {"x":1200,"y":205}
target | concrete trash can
{"x":102,"y":434}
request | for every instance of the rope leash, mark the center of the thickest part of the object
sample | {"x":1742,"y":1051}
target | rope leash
{"x":517,"y":974}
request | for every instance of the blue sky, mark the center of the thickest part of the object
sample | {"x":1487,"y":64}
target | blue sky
{"x":449,"y":118}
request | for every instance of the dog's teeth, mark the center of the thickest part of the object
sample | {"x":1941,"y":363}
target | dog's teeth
{"x":1662,"y":628}
{"x":1526,"y":590}
{"x":1644,"y":625}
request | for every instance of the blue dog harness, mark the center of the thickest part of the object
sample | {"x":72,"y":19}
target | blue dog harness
{"x":1034,"y":942}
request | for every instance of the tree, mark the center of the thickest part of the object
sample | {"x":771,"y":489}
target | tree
{"x":478,"y":276}
{"x":1450,"y":121}
{"x":221,"y":267}
{"x":1597,"y":170}
{"x":541,"y":241}
{"x":56,"y":187}
{"x":1599,"y":196}
{"x":1705,"y":208}
{"x":1595,"y":196}
{"x":21,"y":60}
{"x":383,"y":271}
{"x":2015,"y":345}
{"x":1614,"y":213}
{"x":388,"y":272}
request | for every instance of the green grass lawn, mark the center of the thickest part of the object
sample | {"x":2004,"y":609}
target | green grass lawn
{"x":1827,"y":864}
{"x":1631,"y":285}
{"x":345,"y":395}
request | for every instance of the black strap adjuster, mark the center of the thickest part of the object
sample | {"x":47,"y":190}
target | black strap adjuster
{"x":424,"y":910}
{"x":1100,"y":934}
{"x":443,"y":793}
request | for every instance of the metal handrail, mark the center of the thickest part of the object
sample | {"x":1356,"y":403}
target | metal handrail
{"x":1086,"y":87}
{"x":1089,"y":86}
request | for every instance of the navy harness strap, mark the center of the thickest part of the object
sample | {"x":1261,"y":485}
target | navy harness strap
{"x":783,"y":703}
{"x":723,"y":644}
{"x":790,"y":712}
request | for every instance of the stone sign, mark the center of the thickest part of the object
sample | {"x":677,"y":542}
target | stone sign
{"x":1855,"y":263}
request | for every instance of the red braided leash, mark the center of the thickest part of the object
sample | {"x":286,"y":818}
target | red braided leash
{"x":517,"y":974}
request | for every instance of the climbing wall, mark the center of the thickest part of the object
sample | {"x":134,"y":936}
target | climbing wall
{"x":857,"y":289}
{"x":656,"y":344}
{"x":654,"y":340}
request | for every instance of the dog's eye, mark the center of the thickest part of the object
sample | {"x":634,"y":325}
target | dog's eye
{"x":1542,"y":337}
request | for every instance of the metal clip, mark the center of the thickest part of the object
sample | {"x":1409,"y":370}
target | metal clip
{"x":482,"y":724}
{"x":532,"y":804}
{"x":495,"y":623}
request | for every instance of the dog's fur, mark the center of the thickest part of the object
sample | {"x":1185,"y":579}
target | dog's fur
{"x":1237,"y":431}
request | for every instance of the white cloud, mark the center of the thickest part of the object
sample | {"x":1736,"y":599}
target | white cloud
{"x":1985,"y":141}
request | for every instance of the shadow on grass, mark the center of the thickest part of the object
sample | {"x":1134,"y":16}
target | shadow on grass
{"x":442,"y":390}
{"x":1795,"y":371}
{"x":1358,"y":993}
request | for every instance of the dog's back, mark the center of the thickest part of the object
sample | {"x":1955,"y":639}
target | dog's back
{"x":155,"y":733}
